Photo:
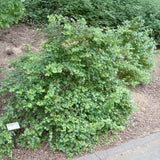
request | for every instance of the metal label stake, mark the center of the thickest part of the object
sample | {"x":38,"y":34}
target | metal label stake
{"x":12,"y":127}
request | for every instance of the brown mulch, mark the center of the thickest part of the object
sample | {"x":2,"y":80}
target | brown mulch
{"x":144,"y":121}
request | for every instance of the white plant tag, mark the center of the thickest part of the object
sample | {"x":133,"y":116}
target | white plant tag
{"x":13,"y":126}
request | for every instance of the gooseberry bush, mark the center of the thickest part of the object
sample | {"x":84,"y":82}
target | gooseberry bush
{"x":10,"y":12}
{"x":73,"y":91}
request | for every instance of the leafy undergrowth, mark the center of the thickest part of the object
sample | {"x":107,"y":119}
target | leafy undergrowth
{"x":97,"y":12}
{"x":10,"y":12}
{"x":73,"y":91}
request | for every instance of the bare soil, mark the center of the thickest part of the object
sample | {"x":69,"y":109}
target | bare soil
{"x":13,"y":42}
{"x":144,"y":121}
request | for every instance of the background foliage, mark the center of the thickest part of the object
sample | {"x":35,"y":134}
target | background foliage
{"x":10,"y":12}
{"x":136,"y":61}
{"x":73,"y":91}
{"x":98,"y":12}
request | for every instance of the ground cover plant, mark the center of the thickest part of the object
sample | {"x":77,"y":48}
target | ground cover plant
{"x":10,"y":12}
{"x":98,"y":12}
{"x":73,"y":91}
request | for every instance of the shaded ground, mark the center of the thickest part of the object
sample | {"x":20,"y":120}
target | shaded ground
{"x":142,"y":122}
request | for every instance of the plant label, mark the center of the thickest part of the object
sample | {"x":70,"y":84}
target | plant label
{"x":13,"y":126}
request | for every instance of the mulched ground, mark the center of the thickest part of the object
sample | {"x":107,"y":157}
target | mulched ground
{"x":143,"y":122}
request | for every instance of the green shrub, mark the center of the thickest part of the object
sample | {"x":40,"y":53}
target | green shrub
{"x":10,"y":12}
{"x":148,"y":10}
{"x":151,"y":15}
{"x":69,"y":93}
{"x":138,"y":61}
{"x":98,"y":12}
{"x":6,"y":141}
{"x":75,"y":9}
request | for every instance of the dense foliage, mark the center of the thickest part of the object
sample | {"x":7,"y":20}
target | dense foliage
{"x":98,"y":12}
{"x":136,"y":59}
{"x":73,"y":91}
{"x":10,"y":12}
